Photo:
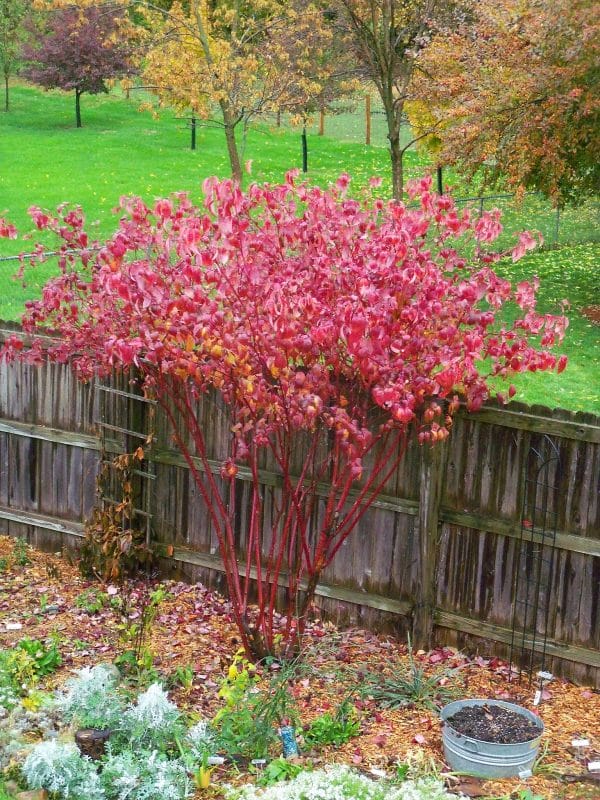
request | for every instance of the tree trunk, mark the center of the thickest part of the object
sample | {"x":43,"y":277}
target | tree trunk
{"x":393,"y":114}
{"x":396,"y":155}
{"x":232,"y":149}
{"x":6,"y":92}
{"x":78,"y":108}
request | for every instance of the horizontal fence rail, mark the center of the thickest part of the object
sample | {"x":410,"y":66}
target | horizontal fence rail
{"x":439,"y":548}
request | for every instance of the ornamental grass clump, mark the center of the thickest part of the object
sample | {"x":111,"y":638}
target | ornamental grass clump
{"x":330,"y":333}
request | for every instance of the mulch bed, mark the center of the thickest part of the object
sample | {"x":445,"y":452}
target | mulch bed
{"x":194,"y":627}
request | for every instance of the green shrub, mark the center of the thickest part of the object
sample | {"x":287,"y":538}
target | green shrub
{"x":247,"y":724}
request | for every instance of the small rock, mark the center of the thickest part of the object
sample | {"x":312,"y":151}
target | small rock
{"x":34,"y":794}
{"x":12,"y":787}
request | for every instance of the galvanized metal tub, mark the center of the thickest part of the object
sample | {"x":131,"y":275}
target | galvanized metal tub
{"x":488,"y":759}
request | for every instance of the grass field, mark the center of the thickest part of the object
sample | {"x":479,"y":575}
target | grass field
{"x":45,"y":160}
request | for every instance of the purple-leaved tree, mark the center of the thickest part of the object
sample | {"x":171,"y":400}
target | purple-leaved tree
{"x":79,"y":49}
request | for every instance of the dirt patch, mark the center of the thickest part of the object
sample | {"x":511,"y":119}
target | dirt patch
{"x":491,"y":723}
{"x":592,"y":313}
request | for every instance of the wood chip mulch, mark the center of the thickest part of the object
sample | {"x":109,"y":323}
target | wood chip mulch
{"x":194,"y":627}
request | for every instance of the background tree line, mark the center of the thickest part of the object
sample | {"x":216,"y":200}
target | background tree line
{"x":501,"y":88}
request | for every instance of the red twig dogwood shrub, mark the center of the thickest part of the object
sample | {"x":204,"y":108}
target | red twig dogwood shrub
{"x":333,"y":330}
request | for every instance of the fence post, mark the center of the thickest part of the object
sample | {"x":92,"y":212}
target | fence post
{"x":322,"y":121}
{"x":304,"y":150}
{"x":368,"y":118}
{"x":432,"y":467}
{"x":557,"y":226}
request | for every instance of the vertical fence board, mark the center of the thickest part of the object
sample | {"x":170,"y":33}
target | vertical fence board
{"x":482,"y":481}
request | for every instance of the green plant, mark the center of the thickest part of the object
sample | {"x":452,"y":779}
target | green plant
{"x":136,"y":661}
{"x":413,"y":687}
{"x":3,"y":565}
{"x":19,"y":553}
{"x":335,"y":728}
{"x":542,"y":767}
{"x":527,"y":794}
{"x":279,"y":770}
{"x":253,"y":710}
{"x":92,"y":600}
{"x":245,"y":725}
{"x":43,"y":603}
{"x":401,"y":771}
{"x":417,"y":765}
{"x":18,"y":670}
{"x":243,"y":730}
{"x":3,"y":793}
{"x":46,"y":658}
{"x":182,"y":677}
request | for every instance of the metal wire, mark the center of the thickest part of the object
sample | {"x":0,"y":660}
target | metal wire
{"x":534,"y":570}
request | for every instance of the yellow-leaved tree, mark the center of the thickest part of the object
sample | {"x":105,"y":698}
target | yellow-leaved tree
{"x":232,"y":60}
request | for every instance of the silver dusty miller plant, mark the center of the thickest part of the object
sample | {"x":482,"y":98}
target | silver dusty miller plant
{"x":61,"y":769}
{"x":91,"y":699}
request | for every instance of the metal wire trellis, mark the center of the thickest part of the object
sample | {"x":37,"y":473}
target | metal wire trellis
{"x":534,"y":573}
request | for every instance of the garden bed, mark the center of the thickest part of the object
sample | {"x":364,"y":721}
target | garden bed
{"x":192,"y":641}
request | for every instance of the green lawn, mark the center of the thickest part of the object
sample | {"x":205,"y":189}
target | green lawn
{"x":45,"y":160}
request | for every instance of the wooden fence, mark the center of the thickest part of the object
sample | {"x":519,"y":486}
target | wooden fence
{"x":442,"y":547}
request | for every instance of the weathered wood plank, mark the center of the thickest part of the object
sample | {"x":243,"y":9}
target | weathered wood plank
{"x":502,"y":527}
{"x":46,"y":434}
{"x":213,"y":562}
{"x":42,"y":521}
{"x":519,"y":420}
{"x":486,"y":630}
